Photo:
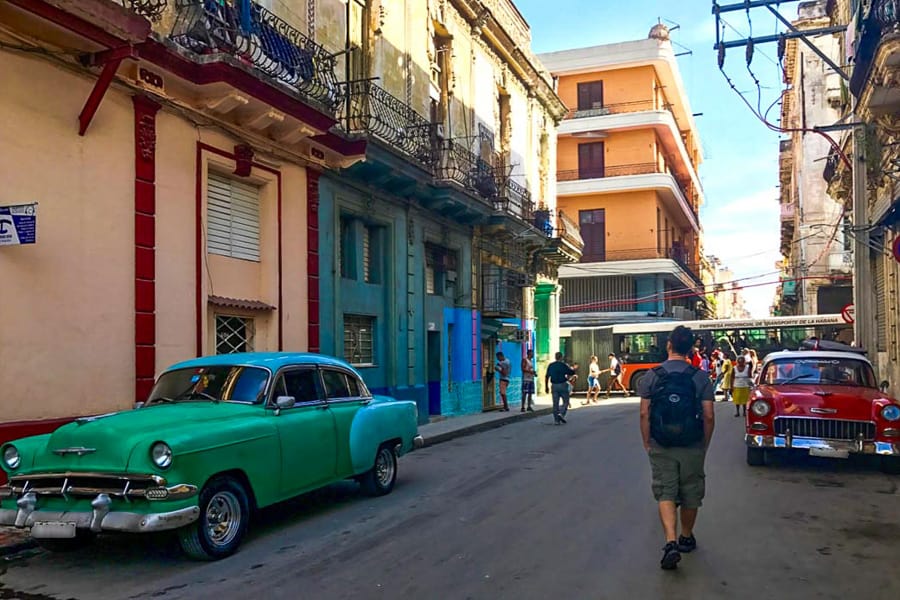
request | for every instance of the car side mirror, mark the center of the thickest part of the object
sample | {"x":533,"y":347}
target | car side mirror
{"x":883,"y":386}
{"x":282,"y":402}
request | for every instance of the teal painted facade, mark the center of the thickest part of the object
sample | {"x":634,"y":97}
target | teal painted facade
{"x":426,"y":344}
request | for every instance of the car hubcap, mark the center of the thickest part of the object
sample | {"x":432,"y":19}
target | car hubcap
{"x":384,"y":467}
{"x":223,"y":518}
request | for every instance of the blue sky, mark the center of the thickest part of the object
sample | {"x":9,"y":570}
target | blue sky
{"x":740,"y":169}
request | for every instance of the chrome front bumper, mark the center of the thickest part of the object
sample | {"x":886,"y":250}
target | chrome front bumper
{"x":803,"y":443}
{"x":418,"y":442}
{"x":100,"y":518}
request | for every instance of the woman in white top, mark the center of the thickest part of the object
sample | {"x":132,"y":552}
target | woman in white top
{"x":593,"y":381}
{"x":741,"y":383}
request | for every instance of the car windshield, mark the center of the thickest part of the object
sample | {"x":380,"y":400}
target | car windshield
{"x":822,"y":371}
{"x":229,"y":383}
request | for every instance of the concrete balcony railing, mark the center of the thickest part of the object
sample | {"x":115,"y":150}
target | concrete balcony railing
{"x":609,"y":171}
{"x":620,"y":108}
{"x":678,"y":254}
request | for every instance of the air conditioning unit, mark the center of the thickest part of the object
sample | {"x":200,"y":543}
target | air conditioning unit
{"x":451,"y":276}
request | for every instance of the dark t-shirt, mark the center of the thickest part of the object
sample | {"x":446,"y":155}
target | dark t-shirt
{"x":702,"y":383}
{"x":558,"y":371}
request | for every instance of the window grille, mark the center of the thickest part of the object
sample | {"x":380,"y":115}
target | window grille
{"x":234,"y":334}
{"x":232,"y":217}
{"x":367,"y":258}
{"x":359,"y":333}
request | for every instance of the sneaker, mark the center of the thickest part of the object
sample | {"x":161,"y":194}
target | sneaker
{"x":562,"y":419}
{"x":687,"y":544}
{"x":671,"y":556}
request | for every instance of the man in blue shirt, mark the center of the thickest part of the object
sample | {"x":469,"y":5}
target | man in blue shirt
{"x":557,"y":376}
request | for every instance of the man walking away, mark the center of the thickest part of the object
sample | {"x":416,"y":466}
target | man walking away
{"x":558,"y":373}
{"x":528,"y":374}
{"x":504,"y":369}
{"x":677,"y":422}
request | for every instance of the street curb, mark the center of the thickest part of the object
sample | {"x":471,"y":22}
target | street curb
{"x":486,"y":426}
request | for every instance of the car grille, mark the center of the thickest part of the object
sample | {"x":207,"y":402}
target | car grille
{"x":85,"y":484}
{"x":829,"y":429}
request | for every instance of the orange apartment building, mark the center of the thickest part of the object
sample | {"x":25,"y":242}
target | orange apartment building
{"x":627,"y":160}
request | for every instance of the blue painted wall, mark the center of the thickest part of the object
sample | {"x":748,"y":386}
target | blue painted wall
{"x":648,"y":286}
{"x":404,"y":313}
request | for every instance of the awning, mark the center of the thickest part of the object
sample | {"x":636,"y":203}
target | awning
{"x":239,"y":303}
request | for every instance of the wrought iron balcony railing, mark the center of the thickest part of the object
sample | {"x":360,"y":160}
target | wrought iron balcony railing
{"x":151,"y":9}
{"x":887,"y":13}
{"x":372,"y":110}
{"x":261,"y":40}
{"x":619,"y":108}
{"x":608,"y":171}
{"x":514,"y":199}
{"x":458,"y":164}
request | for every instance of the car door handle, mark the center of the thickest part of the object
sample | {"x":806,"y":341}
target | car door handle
{"x":322,"y":407}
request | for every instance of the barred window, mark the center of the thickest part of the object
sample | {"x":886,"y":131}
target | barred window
{"x":232,"y":217}
{"x":234,"y":334}
{"x":359,"y":335}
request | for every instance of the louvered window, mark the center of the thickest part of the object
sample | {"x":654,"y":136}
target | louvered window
{"x":232,"y":218}
{"x":877,"y":263}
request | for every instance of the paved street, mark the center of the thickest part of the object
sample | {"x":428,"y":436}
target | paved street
{"x":529,"y":510}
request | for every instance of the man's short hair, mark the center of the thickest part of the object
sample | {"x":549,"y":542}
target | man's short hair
{"x":558,"y":355}
{"x":682,"y":339}
{"x":499,"y":354}
{"x":611,"y":355}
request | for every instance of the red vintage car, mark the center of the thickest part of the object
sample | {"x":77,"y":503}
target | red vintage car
{"x":825,"y":402}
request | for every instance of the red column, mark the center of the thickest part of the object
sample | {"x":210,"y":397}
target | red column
{"x":312,"y":255}
{"x":145,"y":111}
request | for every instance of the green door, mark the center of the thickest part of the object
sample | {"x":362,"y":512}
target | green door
{"x":306,"y":432}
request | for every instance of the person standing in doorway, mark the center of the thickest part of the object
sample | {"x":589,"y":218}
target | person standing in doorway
{"x":558,"y":374}
{"x":528,"y":374}
{"x":503,"y":369}
{"x":677,"y":422}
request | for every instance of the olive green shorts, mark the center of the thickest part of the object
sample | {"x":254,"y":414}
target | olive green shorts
{"x":678,"y":475}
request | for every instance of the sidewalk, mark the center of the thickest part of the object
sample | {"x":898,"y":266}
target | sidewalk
{"x":446,"y":429}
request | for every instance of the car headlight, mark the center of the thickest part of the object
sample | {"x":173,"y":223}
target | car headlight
{"x":11,"y":457}
{"x":761,"y":408}
{"x":161,"y":455}
{"x":891,"y":412}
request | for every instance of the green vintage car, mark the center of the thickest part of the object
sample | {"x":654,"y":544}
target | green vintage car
{"x":218,"y":437}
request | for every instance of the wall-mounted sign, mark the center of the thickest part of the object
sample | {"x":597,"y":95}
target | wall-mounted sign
{"x":848,"y":313}
{"x":18,"y":224}
{"x":896,"y":248}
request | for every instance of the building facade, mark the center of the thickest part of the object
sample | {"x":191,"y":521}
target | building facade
{"x":172,"y":166}
{"x":628,"y":154}
{"x":815,"y":244}
{"x":432,"y":248}
{"x":870,"y":187}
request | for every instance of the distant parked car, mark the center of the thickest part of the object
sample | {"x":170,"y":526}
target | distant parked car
{"x":218,"y":437}
{"x":825,"y":402}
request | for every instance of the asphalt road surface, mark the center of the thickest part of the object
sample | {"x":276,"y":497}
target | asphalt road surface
{"x":530,"y":510}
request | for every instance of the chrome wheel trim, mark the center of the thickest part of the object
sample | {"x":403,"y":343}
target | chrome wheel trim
{"x":384,"y":467}
{"x":223,"y":518}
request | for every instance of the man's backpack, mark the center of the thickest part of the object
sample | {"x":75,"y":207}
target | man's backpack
{"x":676,"y":412}
{"x":618,"y":370}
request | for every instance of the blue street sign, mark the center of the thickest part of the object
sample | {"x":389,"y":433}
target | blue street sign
{"x":18,"y":224}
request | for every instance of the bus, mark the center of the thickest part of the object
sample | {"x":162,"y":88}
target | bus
{"x":642,"y":346}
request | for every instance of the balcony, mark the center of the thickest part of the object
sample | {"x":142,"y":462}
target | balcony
{"x":566,"y":242}
{"x":372,"y":110}
{"x":501,"y":292}
{"x":460,"y":166}
{"x":876,"y":69}
{"x":149,"y":9}
{"x":514,"y":199}
{"x":620,"y":108}
{"x":260,"y":40}
{"x":633,"y":177}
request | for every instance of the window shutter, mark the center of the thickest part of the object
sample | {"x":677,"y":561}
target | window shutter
{"x":584,"y":96}
{"x":877,"y":262}
{"x":232,"y":218}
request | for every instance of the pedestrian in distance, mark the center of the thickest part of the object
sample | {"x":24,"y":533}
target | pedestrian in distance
{"x":593,"y":381}
{"x":504,"y":368}
{"x":615,"y":371}
{"x":725,"y":378}
{"x":677,"y":422}
{"x":572,"y":379}
{"x":528,"y":374}
{"x":742,"y":382}
{"x":556,"y":383}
